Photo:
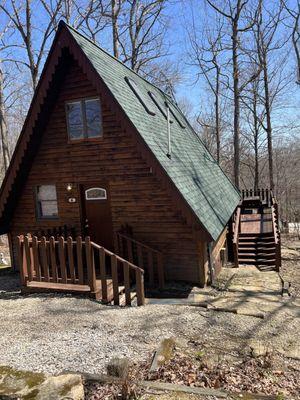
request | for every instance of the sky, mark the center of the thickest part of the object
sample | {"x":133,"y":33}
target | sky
{"x":179,"y":15}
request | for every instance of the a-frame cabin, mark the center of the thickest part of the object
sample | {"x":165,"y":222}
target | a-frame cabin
{"x":106,"y":155}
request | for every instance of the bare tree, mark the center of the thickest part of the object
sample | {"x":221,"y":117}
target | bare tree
{"x":233,"y":12}
{"x":3,"y":126}
{"x":266,"y":41}
{"x":206,"y":54}
{"x":141,"y":39}
{"x":21,"y":17}
{"x":294,"y":14}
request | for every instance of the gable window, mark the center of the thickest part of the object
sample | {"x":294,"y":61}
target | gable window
{"x":46,"y":201}
{"x":84,"y":119}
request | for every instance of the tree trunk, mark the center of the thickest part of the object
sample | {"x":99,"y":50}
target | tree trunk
{"x":115,"y":33}
{"x":217,"y":112}
{"x":3,"y":127}
{"x":269,"y":123}
{"x":236,"y":121}
{"x":256,"y":133}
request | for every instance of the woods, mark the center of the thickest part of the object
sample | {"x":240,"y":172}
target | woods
{"x":232,"y":66}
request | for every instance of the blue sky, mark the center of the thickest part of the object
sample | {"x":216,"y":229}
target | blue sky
{"x":178,"y":13}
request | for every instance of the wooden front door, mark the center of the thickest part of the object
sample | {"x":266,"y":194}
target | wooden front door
{"x":97,"y":214}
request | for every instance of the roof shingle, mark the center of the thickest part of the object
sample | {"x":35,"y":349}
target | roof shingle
{"x":193,"y":170}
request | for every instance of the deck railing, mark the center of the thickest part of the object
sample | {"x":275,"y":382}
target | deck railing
{"x":57,"y":231}
{"x":149,"y":259}
{"x":276,"y":230}
{"x":263,"y":194}
{"x":79,"y":265}
{"x":236,"y":229}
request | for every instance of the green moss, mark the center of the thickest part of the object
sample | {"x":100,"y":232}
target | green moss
{"x":13,"y":381}
{"x":199,"y":355}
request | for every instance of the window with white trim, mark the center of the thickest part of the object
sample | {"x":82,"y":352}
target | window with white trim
{"x":46,"y":201}
{"x":95,"y":194}
{"x":84,"y":119}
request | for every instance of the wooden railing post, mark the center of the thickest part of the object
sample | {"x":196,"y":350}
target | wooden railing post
{"x":90,"y":265}
{"x":22,"y":261}
{"x":36,"y":263}
{"x":53,"y":259}
{"x":44,"y":258}
{"x":235,"y":240}
{"x":71,"y":259}
{"x":115,"y":279}
{"x":140,"y":294}
{"x":62,"y":259}
{"x":28,"y":258}
{"x":79,"y":260}
{"x":103,"y":275}
{"x":127,"y":283}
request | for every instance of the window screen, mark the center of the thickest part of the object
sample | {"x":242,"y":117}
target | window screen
{"x":75,"y":120}
{"x":84,"y":119}
{"x":46,"y":201}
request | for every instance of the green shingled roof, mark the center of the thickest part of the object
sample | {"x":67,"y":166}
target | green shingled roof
{"x":193,"y":170}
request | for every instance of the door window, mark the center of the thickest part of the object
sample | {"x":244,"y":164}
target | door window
{"x":95,"y":194}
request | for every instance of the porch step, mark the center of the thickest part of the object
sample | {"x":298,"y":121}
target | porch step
{"x":267,"y":256}
{"x":256,"y":261}
{"x":262,"y":250}
{"x":122,"y":297}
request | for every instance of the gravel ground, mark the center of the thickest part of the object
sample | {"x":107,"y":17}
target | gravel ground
{"x":50,"y":333}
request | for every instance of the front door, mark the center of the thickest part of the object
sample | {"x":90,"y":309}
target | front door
{"x":97,"y":214}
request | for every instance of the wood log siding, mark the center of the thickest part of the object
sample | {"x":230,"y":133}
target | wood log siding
{"x":137,"y":196}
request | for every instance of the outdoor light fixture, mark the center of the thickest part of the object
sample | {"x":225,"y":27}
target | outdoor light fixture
{"x":69,"y":187}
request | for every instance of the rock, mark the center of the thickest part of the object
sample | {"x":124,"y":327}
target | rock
{"x":163,"y":354}
{"x":118,"y":367}
{"x":258,"y":348}
{"x":67,"y":386}
{"x":15,"y":384}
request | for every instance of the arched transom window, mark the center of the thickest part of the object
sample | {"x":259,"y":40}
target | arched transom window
{"x":95,"y":194}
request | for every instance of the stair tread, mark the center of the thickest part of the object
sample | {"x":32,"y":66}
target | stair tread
{"x":257,"y":248}
{"x":255,"y":260}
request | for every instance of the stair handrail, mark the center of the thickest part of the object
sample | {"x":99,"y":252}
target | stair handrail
{"x":275,"y":223}
{"x":236,"y":236}
{"x":150,"y":253}
{"x":121,"y":259}
{"x":127,"y":267}
{"x":138,"y":243}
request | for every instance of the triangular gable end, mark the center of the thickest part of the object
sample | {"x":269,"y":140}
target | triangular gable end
{"x":28,"y":141}
{"x":202,"y":191}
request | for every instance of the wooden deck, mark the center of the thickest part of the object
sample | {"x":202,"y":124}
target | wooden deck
{"x":80,"y":266}
{"x":75,"y":288}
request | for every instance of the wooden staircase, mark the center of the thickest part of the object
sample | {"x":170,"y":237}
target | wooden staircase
{"x":257,"y":249}
{"x":59,"y":264}
{"x":256,"y":237}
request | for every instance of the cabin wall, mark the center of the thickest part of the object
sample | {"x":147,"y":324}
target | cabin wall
{"x":137,"y":196}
